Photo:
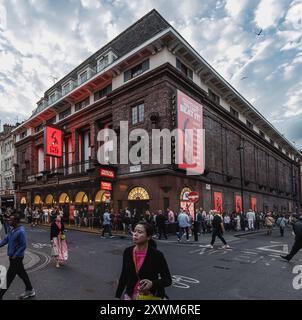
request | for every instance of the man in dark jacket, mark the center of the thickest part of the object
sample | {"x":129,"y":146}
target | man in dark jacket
{"x":16,"y":241}
{"x":297,"y":227}
{"x":161,"y":224}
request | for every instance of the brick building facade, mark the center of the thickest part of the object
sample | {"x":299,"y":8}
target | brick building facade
{"x":135,"y":78}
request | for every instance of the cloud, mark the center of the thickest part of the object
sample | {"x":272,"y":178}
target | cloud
{"x":269,"y":12}
{"x":44,"y":38}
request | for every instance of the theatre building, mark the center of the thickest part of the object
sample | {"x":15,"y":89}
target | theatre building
{"x":148,"y":76}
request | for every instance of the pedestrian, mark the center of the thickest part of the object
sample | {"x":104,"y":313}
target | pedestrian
{"x":227,"y":222}
{"x":218,"y":230}
{"x":183,"y":222}
{"x":161,"y":224}
{"x":106,"y":224}
{"x":251,"y":217}
{"x":199,"y":219}
{"x":16,"y":241}
{"x":76,"y":217}
{"x":269,"y":222}
{"x":282,"y":222}
{"x":297,"y":227}
{"x":58,"y":241}
{"x":145,"y":272}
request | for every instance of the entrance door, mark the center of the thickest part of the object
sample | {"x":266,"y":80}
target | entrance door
{"x":140,"y":206}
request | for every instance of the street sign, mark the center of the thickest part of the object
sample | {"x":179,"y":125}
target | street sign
{"x":193,"y":196}
{"x":107,"y":173}
{"x":106,"y":185}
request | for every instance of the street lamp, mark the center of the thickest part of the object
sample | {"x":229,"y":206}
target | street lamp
{"x":240,"y":148}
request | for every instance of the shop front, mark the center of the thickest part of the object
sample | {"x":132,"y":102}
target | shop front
{"x":185,"y":202}
{"x":64,"y":203}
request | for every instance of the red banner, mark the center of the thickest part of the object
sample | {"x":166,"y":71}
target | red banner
{"x":238,"y":204}
{"x":190,"y":116}
{"x":71,"y":212}
{"x":254,"y":203}
{"x":218,"y":202}
{"x":53,"y":142}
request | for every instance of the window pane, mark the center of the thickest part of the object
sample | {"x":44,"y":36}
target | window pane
{"x":141,"y":113}
{"x":134,"y":115}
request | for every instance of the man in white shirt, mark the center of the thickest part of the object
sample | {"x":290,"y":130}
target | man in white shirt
{"x":251,"y":217}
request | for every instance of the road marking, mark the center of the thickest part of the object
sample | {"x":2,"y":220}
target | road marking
{"x":283,"y":248}
{"x":179,"y":281}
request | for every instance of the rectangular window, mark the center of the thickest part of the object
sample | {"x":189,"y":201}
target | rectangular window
{"x":66,"y":88}
{"x":249,"y":125}
{"x":52,"y":120}
{"x":184,"y":69}
{"x":262,"y":134}
{"x":64,"y":113}
{"x":214,"y":97}
{"x":138,"y":113}
{"x":272,"y":141}
{"x":83,"y":77}
{"x":234,"y":113}
{"x":137,"y":70}
{"x":52,"y":98}
{"x":102,"y":93}
{"x":103,"y":63}
{"x":82,"y":104}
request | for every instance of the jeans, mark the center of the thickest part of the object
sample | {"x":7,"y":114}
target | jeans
{"x":107,"y":228}
{"x":16,"y":267}
{"x":217,"y":233}
{"x":182,"y":231}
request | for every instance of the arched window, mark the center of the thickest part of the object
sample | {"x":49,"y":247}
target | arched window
{"x":102,"y":196}
{"x":49,"y":199}
{"x":138,"y":193}
{"x":37,"y":200}
{"x":23,"y":200}
{"x":64,"y":198}
{"x":81,"y":197}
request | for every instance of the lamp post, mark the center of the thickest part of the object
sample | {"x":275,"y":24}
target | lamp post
{"x":240,"y":148}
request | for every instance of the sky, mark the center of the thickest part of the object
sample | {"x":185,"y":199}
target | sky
{"x":256,"y":45}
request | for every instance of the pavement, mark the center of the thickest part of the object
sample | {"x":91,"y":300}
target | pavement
{"x":251,"y":269}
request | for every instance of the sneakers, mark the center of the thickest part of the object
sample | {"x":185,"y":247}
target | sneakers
{"x":111,"y":237}
{"x":27,"y":294}
{"x":210,"y":246}
{"x":226,"y":246}
{"x":102,"y":237}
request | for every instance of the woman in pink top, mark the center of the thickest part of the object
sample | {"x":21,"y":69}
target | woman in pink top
{"x":142,"y":265}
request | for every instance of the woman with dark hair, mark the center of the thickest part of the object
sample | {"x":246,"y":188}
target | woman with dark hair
{"x":58,"y":241}
{"x":142,"y":265}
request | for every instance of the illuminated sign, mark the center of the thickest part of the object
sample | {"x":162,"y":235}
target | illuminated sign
{"x":107,"y":173}
{"x":53,"y":142}
{"x":190,"y":121}
{"x":106,"y":185}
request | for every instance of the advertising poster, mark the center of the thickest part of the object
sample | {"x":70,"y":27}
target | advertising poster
{"x":53,"y":142}
{"x":254,"y":203}
{"x":218,"y":201}
{"x":238,"y":204}
{"x":190,"y":116}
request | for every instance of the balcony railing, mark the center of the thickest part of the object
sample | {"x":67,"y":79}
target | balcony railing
{"x":73,"y":169}
{"x":73,"y":86}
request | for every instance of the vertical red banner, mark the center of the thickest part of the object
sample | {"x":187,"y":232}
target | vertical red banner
{"x":238,"y":204}
{"x":190,"y":117}
{"x":254,"y":203}
{"x":218,"y":202}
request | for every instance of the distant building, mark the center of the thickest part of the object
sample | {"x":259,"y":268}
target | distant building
{"x":7,"y":171}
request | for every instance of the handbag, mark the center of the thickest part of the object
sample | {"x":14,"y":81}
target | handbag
{"x":63,"y":236}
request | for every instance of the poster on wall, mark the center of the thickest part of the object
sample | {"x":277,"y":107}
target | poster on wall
{"x":218,"y":202}
{"x":254,"y":203}
{"x":188,"y":206}
{"x":190,"y":116}
{"x":238,"y":204}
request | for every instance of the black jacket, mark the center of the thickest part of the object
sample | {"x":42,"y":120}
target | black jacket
{"x":54,"y":230}
{"x":153,"y":265}
{"x":298,"y":230}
